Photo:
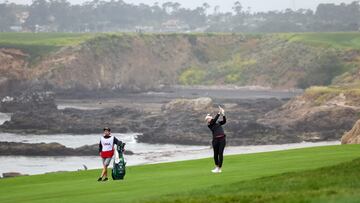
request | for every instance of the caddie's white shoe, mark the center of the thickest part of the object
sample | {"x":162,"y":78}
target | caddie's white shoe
{"x":215,"y":170}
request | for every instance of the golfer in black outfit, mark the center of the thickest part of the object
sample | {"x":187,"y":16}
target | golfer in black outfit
{"x":219,"y":140}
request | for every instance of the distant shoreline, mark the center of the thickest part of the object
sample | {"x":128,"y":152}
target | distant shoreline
{"x":235,"y":87}
{"x":155,"y":98}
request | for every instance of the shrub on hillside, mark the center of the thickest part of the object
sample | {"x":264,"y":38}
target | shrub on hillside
{"x":328,"y":66}
{"x":192,"y":76}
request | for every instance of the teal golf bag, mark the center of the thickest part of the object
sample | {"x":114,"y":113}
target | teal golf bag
{"x":118,"y":170}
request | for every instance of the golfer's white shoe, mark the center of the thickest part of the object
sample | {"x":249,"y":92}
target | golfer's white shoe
{"x":219,"y":170}
{"x":215,"y":170}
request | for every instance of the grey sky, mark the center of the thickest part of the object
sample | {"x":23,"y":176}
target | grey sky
{"x":226,"y":5}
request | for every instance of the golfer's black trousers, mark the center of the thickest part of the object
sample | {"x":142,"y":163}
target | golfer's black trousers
{"x":219,"y":146}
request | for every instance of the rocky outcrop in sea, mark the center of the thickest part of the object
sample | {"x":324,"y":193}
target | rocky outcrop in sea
{"x":28,"y":101}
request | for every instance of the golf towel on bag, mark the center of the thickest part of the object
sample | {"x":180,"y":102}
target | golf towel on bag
{"x":118,"y":170}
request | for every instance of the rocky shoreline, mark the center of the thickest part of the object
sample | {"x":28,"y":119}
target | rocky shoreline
{"x":353,"y":136}
{"x":75,"y":121}
{"x":50,"y":149}
{"x":311,"y":121}
{"x":181,"y":121}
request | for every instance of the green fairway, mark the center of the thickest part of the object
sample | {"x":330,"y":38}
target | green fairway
{"x":44,"y":39}
{"x":154,"y":182}
{"x":40,"y":44}
{"x":340,"y":183}
{"x":345,"y":40}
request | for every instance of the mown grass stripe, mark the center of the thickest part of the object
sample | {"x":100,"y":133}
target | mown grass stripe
{"x":155,"y":181}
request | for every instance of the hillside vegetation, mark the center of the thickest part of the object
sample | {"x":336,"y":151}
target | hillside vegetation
{"x":146,"y":61}
{"x":263,"y":177}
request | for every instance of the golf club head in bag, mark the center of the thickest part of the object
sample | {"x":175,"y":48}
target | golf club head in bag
{"x":119,"y":164}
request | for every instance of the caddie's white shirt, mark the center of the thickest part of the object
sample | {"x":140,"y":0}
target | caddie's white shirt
{"x":107,"y":144}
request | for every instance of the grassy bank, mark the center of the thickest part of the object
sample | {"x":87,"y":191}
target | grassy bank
{"x":341,"y":40}
{"x":179,"y":180}
{"x":40,"y":44}
{"x":43,"y":39}
{"x":319,"y":95}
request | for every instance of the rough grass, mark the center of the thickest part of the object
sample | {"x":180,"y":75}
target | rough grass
{"x":243,"y":178}
{"x":319,"y":90}
{"x":321,"y":94}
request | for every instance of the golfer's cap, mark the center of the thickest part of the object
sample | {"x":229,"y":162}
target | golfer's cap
{"x":108,"y":129}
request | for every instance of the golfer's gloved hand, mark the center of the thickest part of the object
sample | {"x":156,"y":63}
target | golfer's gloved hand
{"x":222,"y":111}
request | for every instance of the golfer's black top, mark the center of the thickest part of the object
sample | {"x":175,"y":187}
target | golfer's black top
{"x":116,"y":141}
{"x":216,"y":127}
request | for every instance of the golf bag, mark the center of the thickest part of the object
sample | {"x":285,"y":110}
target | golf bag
{"x":118,"y":170}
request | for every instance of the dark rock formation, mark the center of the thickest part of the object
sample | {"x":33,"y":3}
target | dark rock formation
{"x":28,"y":101}
{"x":309,"y":121}
{"x":182,"y":121}
{"x":52,"y":149}
{"x":12,"y":174}
{"x":45,"y":121}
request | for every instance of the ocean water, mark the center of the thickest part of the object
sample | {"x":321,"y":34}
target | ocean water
{"x":4,"y":117}
{"x":144,"y":153}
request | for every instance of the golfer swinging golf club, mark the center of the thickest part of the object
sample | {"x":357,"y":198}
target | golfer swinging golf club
{"x":106,"y":151}
{"x":218,"y":141}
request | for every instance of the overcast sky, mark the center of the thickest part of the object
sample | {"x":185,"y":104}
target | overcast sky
{"x":226,"y":5}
